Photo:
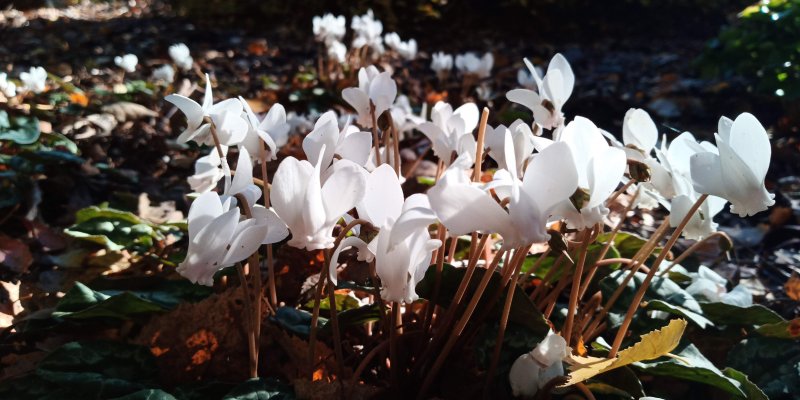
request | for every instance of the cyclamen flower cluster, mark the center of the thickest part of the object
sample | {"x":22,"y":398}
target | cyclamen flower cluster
{"x":350,"y":177}
{"x":330,"y":31}
{"x":33,"y":80}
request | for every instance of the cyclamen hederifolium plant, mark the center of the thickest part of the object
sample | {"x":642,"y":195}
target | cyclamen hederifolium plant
{"x":501,"y":245}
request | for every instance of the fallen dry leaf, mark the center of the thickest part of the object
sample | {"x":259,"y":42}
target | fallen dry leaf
{"x":126,"y":111}
{"x":14,"y":254}
{"x":161,"y":213}
{"x":651,"y":346}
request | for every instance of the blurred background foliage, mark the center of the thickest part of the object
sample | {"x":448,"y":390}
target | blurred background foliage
{"x":762,"y":45}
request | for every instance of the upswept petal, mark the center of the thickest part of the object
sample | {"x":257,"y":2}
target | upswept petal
{"x":551,"y":176}
{"x":383,"y":197}
{"x":605,"y":172}
{"x":382,"y":92}
{"x":343,"y":189}
{"x":524,"y":97}
{"x":638,"y":129}
{"x":749,"y":140}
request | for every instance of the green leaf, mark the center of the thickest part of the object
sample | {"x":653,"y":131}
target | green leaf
{"x":21,"y":130}
{"x":751,"y":391}
{"x":697,"y":318}
{"x":626,"y":243}
{"x":699,"y":369}
{"x":660,"y":289}
{"x":523,"y":311}
{"x":354,"y":317}
{"x":90,"y":370}
{"x":294,"y":320}
{"x":343,"y":302}
{"x":168,"y":293}
{"x":83,"y":303}
{"x":113,"y":229}
{"x":782,"y":330}
{"x":770,"y":363}
{"x":727,"y":314}
{"x":261,"y":389}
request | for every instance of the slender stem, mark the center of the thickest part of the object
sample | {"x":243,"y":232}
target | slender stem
{"x":248,"y":323}
{"x":375,"y":140}
{"x":337,"y":336}
{"x":623,"y":329}
{"x":608,"y":244}
{"x":273,"y":292}
{"x":503,"y":324}
{"x":694,"y":247}
{"x":456,"y":332}
{"x":620,"y":191}
{"x":476,"y":173}
{"x":363,"y":365}
{"x":547,"y":277}
{"x":393,"y":351}
{"x":576,"y":287}
{"x":312,"y":336}
{"x":415,"y":164}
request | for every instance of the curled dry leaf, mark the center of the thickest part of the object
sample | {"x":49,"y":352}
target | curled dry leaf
{"x":125,"y":111}
{"x":652,"y":345}
{"x":158,"y":214}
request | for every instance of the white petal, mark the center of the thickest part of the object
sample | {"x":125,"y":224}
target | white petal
{"x":560,"y":63}
{"x":289,"y":188}
{"x":707,"y":174}
{"x":551,"y":176}
{"x":350,"y":241}
{"x":639,"y":130}
{"x":203,"y":210}
{"x":749,"y":140}
{"x":359,"y":100}
{"x":382,"y":92}
{"x":463,"y":209}
{"x":343,"y":189}
{"x":277,"y":228}
{"x":605,"y":173}
{"x":325,"y":134}
{"x":525,"y":97}
{"x":383,"y":198}
{"x":356,"y":147}
{"x":470,"y":114}
{"x":245,"y":242}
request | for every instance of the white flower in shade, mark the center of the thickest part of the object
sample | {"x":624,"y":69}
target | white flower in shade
{"x":374,"y":88}
{"x":450,"y":132}
{"x":34,"y":80}
{"x":403,"y":115}
{"x":406,"y":50}
{"x":181,"y":57}
{"x":337,"y":51}
{"x":367,"y":33}
{"x":8,"y":88}
{"x":242,"y":182}
{"x":470,"y":63}
{"x":218,"y":237}
{"x":531,"y":371}
{"x":127,"y":62}
{"x":208,"y":170}
{"x":311,"y":207}
{"x":463,"y":207}
{"x":271,"y":130}
{"x":672,"y":179}
{"x":600,"y":168}
{"x":709,"y":286}
{"x":442,"y":64}
{"x":226,"y":116}
{"x":329,"y":28}
{"x":348,"y":144}
{"x":402,"y":249}
{"x":737,"y":173}
{"x":522,"y":137}
{"x":164,"y":73}
{"x":553,"y":91}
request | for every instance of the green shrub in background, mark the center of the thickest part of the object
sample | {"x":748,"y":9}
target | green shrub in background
{"x":762,"y":46}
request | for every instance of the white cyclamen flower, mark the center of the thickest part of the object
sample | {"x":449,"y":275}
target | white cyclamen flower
{"x":164,"y":73}
{"x":226,"y":116}
{"x":328,"y":28}
{"x":337,"y":51}
{"x":531,"y":371}
{"x":469,"y":63}
{"x":127,"y":62}
{"x":34,"y":80}
{"x":450,"y":132}
{"x":349,"y":143}
{"x":180,"y":56}
{"x":737,"y":173}
{"x":374,"y":88}
{"x":463,"y":207}
{"x":208,"y":170}
{"x":218,"y":237}
{"x":311,"y":208}
{"x":9,"y":89}
{"x":406,"y":50}
{"x":526,"y":79}
{"x":367,"y":33}
{"x":522,"y":137}
{"x":600,"y":168}
{"x":271,"y":130}
{"x":553,"y":91}
{"x":402,"y":249}
{"x":442,"y":64}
